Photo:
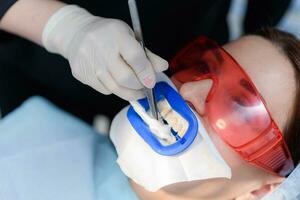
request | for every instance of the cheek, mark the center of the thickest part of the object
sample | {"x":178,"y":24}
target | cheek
{"x":228,"y":154}
{"x":196,"y":93}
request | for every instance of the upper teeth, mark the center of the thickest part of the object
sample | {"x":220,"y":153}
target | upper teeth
{"x":161,"y":130}
{"x":174,"y":119}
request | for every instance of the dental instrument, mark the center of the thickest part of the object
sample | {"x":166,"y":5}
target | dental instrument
{"x":139,"y":37}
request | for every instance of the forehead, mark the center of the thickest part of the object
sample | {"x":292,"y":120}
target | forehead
{"x":270,"y":71}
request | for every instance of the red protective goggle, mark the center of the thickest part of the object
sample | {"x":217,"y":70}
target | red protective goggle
{"x":234,"y":107}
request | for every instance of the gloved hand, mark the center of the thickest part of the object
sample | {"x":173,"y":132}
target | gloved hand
{"x":102,"y":52}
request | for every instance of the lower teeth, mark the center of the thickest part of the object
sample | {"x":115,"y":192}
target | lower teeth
{"x":160,"y":129}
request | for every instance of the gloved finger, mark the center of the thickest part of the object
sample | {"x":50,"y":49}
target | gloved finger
{"x":159,"y":64}
{"x":85,"y":74}
{"x":133,"y":53}
{"x":125,"y":93}
{"x":97,"y":85}
{"x":123,"y":73}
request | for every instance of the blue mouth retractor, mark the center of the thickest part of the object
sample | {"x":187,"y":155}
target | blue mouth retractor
{"x":163,"y":90}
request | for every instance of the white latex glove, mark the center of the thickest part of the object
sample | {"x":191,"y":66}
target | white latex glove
{"x":102,"y":52}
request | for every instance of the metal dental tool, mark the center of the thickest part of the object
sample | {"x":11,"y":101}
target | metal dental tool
{"x":139,"y":37}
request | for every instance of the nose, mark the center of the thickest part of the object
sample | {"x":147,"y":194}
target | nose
{"x":195,"y":93}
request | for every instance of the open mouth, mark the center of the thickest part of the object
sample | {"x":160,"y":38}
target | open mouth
{"x":176,"y":128}
{"x":178,"y":125}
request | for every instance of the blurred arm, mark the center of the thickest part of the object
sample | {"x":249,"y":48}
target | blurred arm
{"x":27,"y":18}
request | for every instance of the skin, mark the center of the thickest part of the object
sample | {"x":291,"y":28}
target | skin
{"x":27,"y":18}
{"x":273,"y":75}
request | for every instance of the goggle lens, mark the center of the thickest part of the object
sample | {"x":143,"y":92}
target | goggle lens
{"x":234,"y":107}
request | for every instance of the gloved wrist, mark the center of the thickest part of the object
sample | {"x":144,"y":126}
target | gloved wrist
{"x":63,"y":26}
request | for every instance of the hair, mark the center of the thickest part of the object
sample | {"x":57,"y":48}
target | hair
{"x":289,"y":46}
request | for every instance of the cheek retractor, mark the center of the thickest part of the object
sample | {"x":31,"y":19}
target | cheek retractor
{"x":163,"y":131}
{"x":180,"y":127}
{"x":158,"y":128}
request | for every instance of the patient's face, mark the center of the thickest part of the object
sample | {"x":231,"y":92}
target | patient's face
{"x":273,"y":76}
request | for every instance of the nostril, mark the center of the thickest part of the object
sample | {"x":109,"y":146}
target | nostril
{"x":190,"y":104}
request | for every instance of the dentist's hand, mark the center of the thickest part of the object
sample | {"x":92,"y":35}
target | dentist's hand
{"x":102,"y":52}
